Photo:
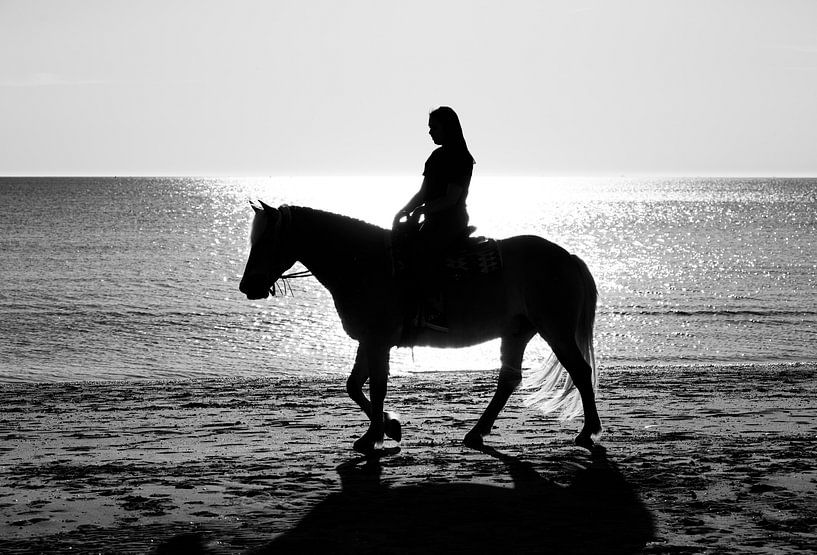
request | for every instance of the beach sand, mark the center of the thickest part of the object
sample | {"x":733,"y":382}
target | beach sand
{"x":719,"y":460}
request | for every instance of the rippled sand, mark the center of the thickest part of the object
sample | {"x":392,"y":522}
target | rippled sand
{"x":719,"y":461}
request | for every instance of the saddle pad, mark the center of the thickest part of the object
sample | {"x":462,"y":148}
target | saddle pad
{"x":477,"y":258}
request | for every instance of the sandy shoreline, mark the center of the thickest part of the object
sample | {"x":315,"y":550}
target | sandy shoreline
{"x":693,"y":462}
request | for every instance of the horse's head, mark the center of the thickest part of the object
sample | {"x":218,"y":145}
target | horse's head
{"x":269,"y":257}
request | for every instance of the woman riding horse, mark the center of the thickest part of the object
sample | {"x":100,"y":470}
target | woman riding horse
{"x":541,"y":289}
{"x":441,"y":203}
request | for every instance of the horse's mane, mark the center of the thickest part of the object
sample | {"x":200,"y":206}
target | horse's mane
{"x":350,"y":228}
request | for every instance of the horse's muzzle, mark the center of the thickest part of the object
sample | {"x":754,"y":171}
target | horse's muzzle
{"x":254,"y":289}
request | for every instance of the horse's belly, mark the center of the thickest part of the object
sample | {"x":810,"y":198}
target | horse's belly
{"x":452,"y":339}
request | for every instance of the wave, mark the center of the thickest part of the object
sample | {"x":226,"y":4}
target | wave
{"x":707,"y":312}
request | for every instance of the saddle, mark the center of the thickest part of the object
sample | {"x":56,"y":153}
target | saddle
{"x":428,"y":280}
{"x":474,"y":257}
{"x":466,"y":258}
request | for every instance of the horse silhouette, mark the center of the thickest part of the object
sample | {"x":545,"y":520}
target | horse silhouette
{"x":541,"y":288}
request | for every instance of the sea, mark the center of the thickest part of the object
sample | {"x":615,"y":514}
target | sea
{"x":136,"y":278}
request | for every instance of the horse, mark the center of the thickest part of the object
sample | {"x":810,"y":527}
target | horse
{"x":541,"y":288}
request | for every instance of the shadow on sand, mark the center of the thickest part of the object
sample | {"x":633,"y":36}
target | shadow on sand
{"x":597,"y":513}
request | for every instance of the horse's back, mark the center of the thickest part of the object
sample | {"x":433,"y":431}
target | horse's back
{"x":532,"y":253}
{"x":541,"y":272}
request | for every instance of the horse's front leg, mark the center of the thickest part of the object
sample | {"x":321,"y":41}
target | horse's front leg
{"x":377,"y":364}
{"x":354,"y":388}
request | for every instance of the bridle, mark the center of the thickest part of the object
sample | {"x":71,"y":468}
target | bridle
{"x":282,"y":226}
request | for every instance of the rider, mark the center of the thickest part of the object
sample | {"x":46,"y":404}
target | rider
{"x":447,"y":175}
{"x":440,"y":202}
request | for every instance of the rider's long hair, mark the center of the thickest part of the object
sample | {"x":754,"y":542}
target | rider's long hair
{"x":447,"y":117}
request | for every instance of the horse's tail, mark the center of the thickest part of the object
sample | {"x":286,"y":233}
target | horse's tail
{"x":554,"y":389}
{"x":587,"y":317}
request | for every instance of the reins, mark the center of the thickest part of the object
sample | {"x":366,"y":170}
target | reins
{"x":283,"y":279}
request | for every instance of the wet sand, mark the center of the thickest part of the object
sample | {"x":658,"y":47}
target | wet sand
{"x":720,"y":461}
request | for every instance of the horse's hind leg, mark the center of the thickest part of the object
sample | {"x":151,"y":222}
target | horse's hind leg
{"x":513,"y":349}
{"x":354,"y":388}
{"x":580,"y":372}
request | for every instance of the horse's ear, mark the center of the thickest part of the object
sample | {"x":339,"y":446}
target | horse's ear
{"x":266,"y":207}
{"x":255,"y":207}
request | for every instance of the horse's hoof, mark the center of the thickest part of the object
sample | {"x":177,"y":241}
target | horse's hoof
{"x":366,"y":445}
{"x":392,"y":428}
{"x":584,"y":440}
{"x":473,"y":440}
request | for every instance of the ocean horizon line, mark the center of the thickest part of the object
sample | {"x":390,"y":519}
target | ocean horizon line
{"x":646,"y":176}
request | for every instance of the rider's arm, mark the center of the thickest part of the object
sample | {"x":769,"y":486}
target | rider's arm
{"x":417,"y":200}
{"x":453,"y":193}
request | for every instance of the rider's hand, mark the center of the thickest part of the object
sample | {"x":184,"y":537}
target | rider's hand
{"x":399,"y":218}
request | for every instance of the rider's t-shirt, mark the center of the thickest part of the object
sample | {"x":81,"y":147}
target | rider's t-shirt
{"x":446,"y":165}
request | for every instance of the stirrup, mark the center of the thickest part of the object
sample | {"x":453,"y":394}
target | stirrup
{"x":436,"y":322}
{"x":435,"y":327}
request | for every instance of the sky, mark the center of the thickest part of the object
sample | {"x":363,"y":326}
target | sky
{"x":344,"y":87}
